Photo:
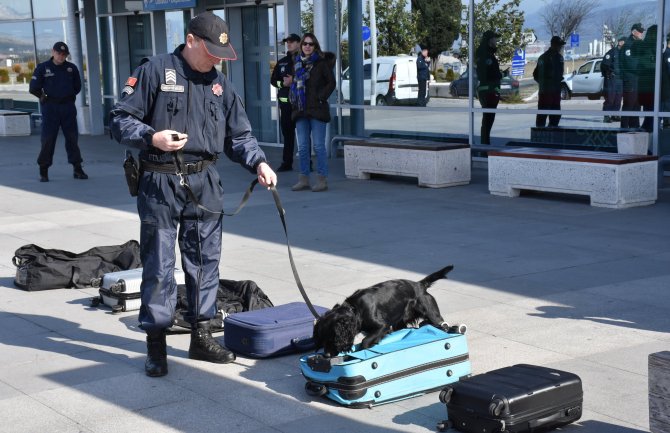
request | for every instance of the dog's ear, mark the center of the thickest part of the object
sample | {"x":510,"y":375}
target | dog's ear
{"x":346,"y":330}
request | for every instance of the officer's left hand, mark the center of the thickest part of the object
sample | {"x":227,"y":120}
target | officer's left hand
{"x":266,"y":176}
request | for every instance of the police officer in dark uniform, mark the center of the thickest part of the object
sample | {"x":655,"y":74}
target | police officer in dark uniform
{"x":488,"y":73}
{"x":613,"y":85}
{"x":282,"y":78}
{"x":182,"y":113}
{"x":422,"y":75}
{"x":630,"y":64}
{"x":665,"y":81}
{"x":56,"y":83}
{"x":549,"y":75}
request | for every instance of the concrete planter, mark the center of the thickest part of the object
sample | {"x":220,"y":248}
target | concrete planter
{"x":633,"y":143}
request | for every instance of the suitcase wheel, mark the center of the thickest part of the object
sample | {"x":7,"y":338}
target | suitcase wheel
{"x":116,"y":309}
{"x":316,"y":389}
{"x":496,"y":407}
{"x":444,"y":425}
{"x":95,"y":301}
{"x":445,"y":394}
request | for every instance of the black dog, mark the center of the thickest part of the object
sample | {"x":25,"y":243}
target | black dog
{"x":377,"y":311}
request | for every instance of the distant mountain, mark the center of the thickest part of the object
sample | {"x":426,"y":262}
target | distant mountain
{"x":642,"y":11}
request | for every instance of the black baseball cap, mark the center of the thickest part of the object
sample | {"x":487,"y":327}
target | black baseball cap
{"x":490,"y":34}
{"x":214,"y":32}
{"x":61,"y":47}
{"x":556,"y":40}
{"x":292,"y":37}
{"x":638,"y":27}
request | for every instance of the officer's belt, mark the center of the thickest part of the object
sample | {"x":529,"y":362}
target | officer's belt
{"x":54,"y":100}
{"x":488,"y":87}
{"x":188,"y":168}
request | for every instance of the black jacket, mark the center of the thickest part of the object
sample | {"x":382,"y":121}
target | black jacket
{"x":609,"y":67}
{"x":488,"y":68}
{"x":630,"y":62}
{"x":318,"y":88}
{"x":283,"y":68}
{"x":549,"y":71}
{"x":422,"y":72}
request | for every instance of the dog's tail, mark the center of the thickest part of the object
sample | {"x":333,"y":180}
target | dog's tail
{"x":430,"y":279}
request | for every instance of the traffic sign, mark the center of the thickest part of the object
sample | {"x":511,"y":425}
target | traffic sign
{"x":366,"y":33}
{"x":574,"y":40}
{"x":529,"y":37}
{"x":518,"y":61}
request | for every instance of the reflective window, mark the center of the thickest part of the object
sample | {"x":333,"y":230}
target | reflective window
{"x":49,"y":9}
{"x":17,"y":43}
{"x":47,"y":33}
{"x":175,"y":29}
{"x":14,"y":9}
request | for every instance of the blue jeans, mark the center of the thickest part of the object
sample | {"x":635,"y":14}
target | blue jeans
{"x":305,"y":128}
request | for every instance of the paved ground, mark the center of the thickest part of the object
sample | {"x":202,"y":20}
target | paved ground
{"x":540,"y":279}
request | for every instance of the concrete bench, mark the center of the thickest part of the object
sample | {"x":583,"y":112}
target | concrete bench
{"x":14,"y":123}
{"x":596,"y":137}
{"x":659,"y":392}
{"x":610,"y":179}
{"x":435,"y":164}
{"x":569,"y":146}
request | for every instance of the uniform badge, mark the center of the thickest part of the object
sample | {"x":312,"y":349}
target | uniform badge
{"x":128,"y":90}
{"x":223,"y":38}
{"x":171,"y":82}
{"x":69,"y":70}
{"x":627,"y":52}
{"x":131,"y":81}
{"x":607,"y":56}
{"x":217,"y":89}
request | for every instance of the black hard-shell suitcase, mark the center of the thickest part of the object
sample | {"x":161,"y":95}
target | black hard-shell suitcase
{"x":273,"y":331}
{"x":517,"y":399}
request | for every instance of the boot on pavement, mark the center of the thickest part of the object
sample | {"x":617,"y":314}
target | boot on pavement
{"x":204,"y":347}
{"x":156,"y":362}
{"x":79,"y":172}
{"x":321,"y":184}
{"x":303,"y":183}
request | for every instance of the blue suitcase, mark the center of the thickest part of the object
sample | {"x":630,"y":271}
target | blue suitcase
{"x":406,"y":363}
{"x":272,"y":331}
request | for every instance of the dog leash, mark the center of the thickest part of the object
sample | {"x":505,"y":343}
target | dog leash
{"x":280,"y":210}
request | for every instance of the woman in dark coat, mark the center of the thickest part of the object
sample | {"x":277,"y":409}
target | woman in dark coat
{"x":313,"y":83}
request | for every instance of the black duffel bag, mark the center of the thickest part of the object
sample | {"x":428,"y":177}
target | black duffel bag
{"x":38,"y":268}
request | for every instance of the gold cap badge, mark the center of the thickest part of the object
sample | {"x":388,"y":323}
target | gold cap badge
{"x":223,"y":38}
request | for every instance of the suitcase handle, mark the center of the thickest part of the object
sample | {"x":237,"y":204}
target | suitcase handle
{"x":546,"y":420}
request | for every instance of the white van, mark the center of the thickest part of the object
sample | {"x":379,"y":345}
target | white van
{"x":396,"y":81}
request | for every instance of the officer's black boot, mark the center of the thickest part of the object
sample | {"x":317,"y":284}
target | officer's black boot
{"x":79,"y":172}
{"x":156,"y":363}
{"x":205,"y":348}
{"x":44,"y":174}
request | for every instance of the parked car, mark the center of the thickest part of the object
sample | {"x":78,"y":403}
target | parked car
{"x":508,"y":86}
{"x":587,"y":81}
{"x":396,"y":81}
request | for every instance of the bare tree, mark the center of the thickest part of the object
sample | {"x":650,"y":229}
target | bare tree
{"x":563,"y":17}
{"x":620,"y":21}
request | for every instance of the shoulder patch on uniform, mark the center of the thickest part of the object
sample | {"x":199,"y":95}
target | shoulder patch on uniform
{"x":607,"y":56}
{"x":128,"y":90}
{"x":627,"y":52}
{"x":131,"y":81}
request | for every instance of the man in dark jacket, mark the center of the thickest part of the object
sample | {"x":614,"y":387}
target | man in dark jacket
{"x":488,"y":72}
{"x":629,"y":63}
{"x":665,"y":81}
{"x":549,"y":74}
{"x":282,"y":77}
{"x":422,"y":75}
{"x":613,"y":86}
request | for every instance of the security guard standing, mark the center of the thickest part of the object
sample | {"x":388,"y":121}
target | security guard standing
{"x":56,"y":83}
{"x":549,"y":74}
{"x":665,"y":81}
{"x":488,"y":73}
{"x":181,"y":112}
{"x":282,"y":78}
{"x":609,"y":68}
{"x":630,"y":64}
{"x":422,"y":75}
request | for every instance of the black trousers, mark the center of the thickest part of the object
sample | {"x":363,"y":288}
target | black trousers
{"x":631,"y":102}
{"x":54,"y":118}
{"x":613,"y":94}
{"x":288,"y":132}
{"x":421,"y":101}
{"x":488,"y":99}
{"x":548,"y":101}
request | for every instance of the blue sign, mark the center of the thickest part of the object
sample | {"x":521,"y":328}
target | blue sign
{"x":518,"y":61}
{"x":159,"y":5}
{"x":519,"y":54}
{"x":574,"y":40}
{"x":366,"y":33}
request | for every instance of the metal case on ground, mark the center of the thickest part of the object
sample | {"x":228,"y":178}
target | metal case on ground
{"x":121,"y":290}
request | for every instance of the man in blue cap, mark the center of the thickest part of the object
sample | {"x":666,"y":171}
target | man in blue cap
{"x":613,"y":85}
{"x":57,"y":83}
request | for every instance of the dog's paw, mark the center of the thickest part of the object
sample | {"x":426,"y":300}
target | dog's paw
{"x":460,"y":328}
